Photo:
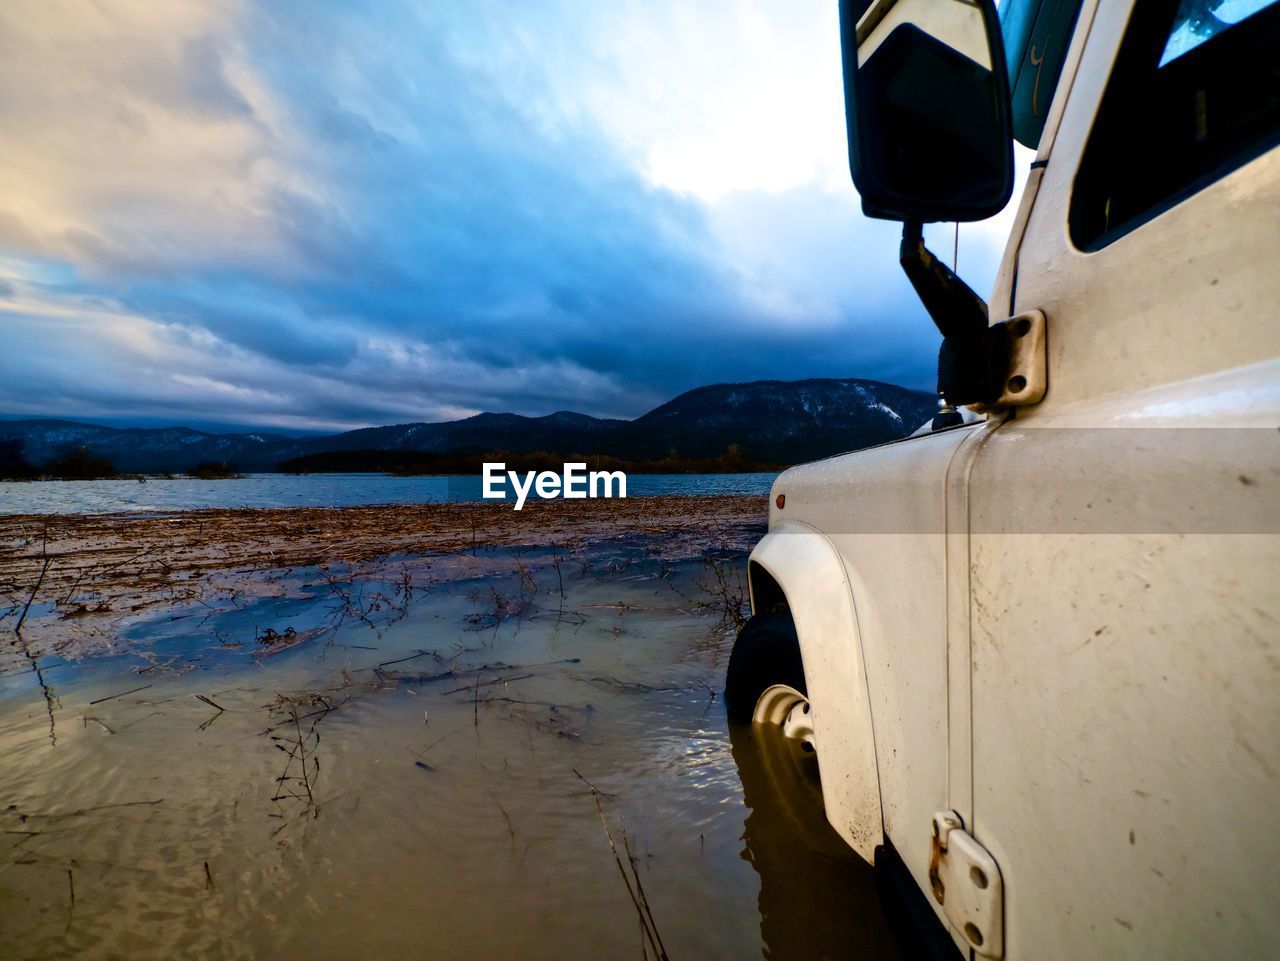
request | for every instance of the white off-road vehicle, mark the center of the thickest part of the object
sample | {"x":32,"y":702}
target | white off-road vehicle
{"x":1035,"y":647}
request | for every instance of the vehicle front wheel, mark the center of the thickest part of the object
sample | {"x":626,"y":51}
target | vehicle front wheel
{"x":766,"y":653}
{"x":765,"y":688}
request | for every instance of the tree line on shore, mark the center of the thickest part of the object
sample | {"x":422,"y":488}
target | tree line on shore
{"x":78,"y":462}
{"x":471,"y":461}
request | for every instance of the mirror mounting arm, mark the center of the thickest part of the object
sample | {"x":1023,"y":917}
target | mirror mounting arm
{"x":974,"y":356}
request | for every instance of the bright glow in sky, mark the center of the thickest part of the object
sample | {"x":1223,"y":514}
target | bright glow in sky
{"x":305,"y":215}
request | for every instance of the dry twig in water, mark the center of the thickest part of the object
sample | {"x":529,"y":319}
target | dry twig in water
{"x":21,"y":641}
{"x":213,"y":704}
{"x":302,"y":768}
{"x":636,"y":893}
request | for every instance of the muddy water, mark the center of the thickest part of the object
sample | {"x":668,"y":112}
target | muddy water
{"x":441,"y":816}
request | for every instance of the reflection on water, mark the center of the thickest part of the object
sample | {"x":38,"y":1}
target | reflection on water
{"x":817,"y":899}
{"x":311,"y":490}
{"x":444,"y":813}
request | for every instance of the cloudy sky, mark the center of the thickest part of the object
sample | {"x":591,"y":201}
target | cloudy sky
{"x":322,"y":215}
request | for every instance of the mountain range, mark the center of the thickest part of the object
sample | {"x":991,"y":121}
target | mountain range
{"x":784,"y":422}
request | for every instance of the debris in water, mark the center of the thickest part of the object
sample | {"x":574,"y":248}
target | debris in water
{"x":112,"y":697}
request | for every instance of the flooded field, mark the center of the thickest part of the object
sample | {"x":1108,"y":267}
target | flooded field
{"x":391,"y":752}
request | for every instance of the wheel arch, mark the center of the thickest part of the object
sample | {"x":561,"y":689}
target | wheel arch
{"x":795,"y":567}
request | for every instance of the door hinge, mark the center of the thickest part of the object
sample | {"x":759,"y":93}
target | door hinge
{"x":966,"y":881}
{"x":1022,"y":349}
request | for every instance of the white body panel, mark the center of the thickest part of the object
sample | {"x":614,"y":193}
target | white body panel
{"x":1126,"y":657}
{"x":1070,"y":620}
{"x":885,"y":512}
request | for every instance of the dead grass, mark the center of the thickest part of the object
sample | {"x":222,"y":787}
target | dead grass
{"x":80,"y":576}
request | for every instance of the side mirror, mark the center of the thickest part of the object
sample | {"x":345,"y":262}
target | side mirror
{"x":926,"y":94}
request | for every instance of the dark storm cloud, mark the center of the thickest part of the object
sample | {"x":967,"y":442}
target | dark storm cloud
{"x":396,"y":232}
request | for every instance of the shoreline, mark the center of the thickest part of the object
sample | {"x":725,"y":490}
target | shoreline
{"x":180,"y":495}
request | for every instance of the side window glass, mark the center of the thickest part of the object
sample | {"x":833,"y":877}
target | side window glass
{"x":1194,"y":94}
{"x":1199,"y":20}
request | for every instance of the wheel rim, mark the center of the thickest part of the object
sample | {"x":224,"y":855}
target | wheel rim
{"x":783,"y":727}
{"x":787,"y":709}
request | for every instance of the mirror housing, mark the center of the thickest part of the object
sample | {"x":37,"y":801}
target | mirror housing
{"x":927,"y":108}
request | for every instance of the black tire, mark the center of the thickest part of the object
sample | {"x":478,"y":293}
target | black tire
{"x":767,"y":652}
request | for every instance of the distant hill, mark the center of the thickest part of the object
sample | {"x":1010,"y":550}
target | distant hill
{"x":147,"y":450}
{"x":770,"y":421}
{"x":775,"y":420}
{"x":563,"y":431}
